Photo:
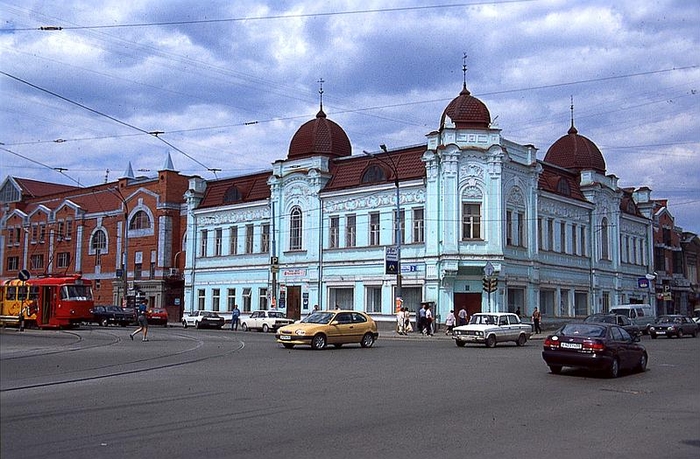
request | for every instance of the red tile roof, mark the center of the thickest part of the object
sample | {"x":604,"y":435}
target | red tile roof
{"x":250,"y":188}
{"x":34,"y":188}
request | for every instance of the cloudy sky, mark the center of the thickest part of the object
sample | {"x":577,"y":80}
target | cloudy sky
{"x":229,"y":83}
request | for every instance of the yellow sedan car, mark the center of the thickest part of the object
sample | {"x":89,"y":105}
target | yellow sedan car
{"x":329,"y":327}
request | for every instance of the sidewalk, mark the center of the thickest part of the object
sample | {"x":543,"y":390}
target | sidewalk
{"x":388,"y":330}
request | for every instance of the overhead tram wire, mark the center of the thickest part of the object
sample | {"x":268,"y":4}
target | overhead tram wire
{"x":60,"y":170}
{"x":155,"y":134}
{"x":271,"y":17}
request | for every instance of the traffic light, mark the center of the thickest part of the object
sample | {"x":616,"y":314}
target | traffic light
{"x":490,"y":284}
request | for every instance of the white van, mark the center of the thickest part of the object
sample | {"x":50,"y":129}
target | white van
{"x":640,"y":314}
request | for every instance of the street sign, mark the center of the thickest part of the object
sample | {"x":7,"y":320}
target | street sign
{"x":391,"y":260}
{"x":488,"y":269}
{"x":24,"y":275}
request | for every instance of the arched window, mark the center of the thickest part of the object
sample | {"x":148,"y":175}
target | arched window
{"x":295,"y":229}
{"x":563,"y":187}
{"x":140,"y":221}
{"x":98,"y":241}
{"x":373,"y":174}
{"x":233,"y":194}
{"x":604,"y":245}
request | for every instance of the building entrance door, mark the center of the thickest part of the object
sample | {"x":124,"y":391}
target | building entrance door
{"x":294,"y":302}
{"x":469,"y":301}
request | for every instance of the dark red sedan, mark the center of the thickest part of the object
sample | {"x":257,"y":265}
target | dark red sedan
{"x":598,"y":347}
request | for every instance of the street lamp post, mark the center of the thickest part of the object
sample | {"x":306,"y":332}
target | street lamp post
{"x":125,"y":256}
{"x":392,"y":165}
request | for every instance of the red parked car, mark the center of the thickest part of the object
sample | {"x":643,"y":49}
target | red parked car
{"x":157,"y":316}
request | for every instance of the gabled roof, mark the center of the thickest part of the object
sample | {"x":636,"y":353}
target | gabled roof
{"x":247,"y":188}
{"x":551,"y":181}
{"x":347,"y":172}
{"x":35,"y":189}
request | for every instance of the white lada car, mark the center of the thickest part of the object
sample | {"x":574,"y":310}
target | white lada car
{"x":492,"y":328}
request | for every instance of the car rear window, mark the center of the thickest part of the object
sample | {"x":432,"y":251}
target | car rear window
{"x":591,"y":331}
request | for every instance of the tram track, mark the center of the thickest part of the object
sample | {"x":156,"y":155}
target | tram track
{"x":141,"y":364}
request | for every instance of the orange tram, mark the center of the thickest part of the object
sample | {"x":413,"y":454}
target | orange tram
{"x":46,"y":302}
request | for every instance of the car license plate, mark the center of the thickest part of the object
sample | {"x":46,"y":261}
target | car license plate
{"x":571,"y":345}
{"x":285,"y":337}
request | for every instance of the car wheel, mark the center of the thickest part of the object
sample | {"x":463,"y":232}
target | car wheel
{"x":197,"y":325}
{"x":642,"y":365}
{"x":680,"y":334}
{"x":244,"y":326}
{"x":288,"y":346}
{"x":460,"y":343}
{"x":491,"y":341}
{"x":555,"y":369}
{"x":318,"y":342}
{"x":104,"y":322}
{"x":265,"y":328}
{"x":521,"y":340}
{"x":614,"y":369}
{"x":367,"y":340}
{"x":653,"y":336}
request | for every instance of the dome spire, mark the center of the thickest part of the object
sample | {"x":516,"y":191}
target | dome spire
{"x":320,"y":96}
{"x":572,"y":129}
{"x":464,"y":75}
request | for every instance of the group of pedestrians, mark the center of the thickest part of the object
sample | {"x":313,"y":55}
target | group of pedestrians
{"x":425,"y":321}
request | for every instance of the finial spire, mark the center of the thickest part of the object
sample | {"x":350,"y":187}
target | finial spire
{"x":464,"y":70}
{"x":320,"y":92}
{"x":572,"y":129}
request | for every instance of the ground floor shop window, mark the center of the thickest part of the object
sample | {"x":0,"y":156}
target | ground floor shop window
{"x":412,"y":297}
{"x":374,"y":299}
{"x":547,"y":302}
{"x":581,"y":303}
{"x":341,"y":298}
{"x":516,"y":299}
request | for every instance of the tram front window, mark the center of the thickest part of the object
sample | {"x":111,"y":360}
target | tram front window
{"x":76,"y":292}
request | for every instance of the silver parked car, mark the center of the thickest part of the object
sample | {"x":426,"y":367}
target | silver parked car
{"x":492,"y":328}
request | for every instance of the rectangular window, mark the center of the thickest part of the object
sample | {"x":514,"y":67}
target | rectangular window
{"x":152,"y":270}
{"x":201,"y":298}
{"x":547,"y":302}
{"x":574,"y":240}
{"x":401,"y":225}
{"x":334,"y":233}
{"x":36,"y":262}
{"x":550,"y":234}
{"x":418,"y":226}
{"x":374,"y":299}
{"x":12,"y":263}
{"x":584,"y":249}
{"x":203,"y":243}
{"x":218,"y":240}
{"x":412,"y":296}
{"x":59,"y":230}
{"x":342,"y":297}
{"x":230,"y":299}
{"x":516,"y":299}
{"x":659,"y":259}
{"x":509,"y":228}
{"x":262,"y":298}
{"x":69,"y":229}
{"x":35,"y":233}
{"x":562,"y":237}
{"x":138,"y":269}
{"x":522,"y":230}
{"x":249,"y":238}
{"x":606,"y":301}
{"x":246,"y":299}
{"x":350,"y":231}
{"x":540,"y":239}
{"x":374,"y":228}
{"x":63,"y":260}
{"x":233,"y":240}
{"x":581,"y":303}
{"x":10,"y":237}
{"x":215,"y":299}
{"x":265,"y":238}
{"x":471,"y":221}
{"x":42,"y":232}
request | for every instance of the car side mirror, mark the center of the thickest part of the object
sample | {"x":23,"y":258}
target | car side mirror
{"x":335,"y":322}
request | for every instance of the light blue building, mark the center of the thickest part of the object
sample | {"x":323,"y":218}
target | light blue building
{"x":320,"y":227}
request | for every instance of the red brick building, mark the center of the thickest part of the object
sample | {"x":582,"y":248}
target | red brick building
{"x":55,"y":229}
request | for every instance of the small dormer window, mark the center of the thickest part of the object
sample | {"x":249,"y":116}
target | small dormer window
{"x":563,"y":187}
{"x":233,"y":194}
{"x":631,"y":208}
{"x":374,"y":174}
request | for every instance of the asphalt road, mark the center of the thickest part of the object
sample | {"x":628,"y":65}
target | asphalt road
{"x":94,"y":393}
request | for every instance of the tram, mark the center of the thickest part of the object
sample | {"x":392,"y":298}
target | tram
{"x":46,"y":302}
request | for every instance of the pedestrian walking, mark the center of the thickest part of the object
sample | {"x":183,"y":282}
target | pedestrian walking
{"x":536,"y":317}
{"x":235,"y":314}
{"x":462,"y":316}
{"x":450,"y":322}
{"x":517,"y":312}
{"x":421,"y":320}
{"x":143,"y":323}
{"x":401,"y":321}
{"x":428,"y":321}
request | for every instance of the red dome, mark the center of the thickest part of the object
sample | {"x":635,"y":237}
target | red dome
{"x":575,"y":152}
{"x":466,"y":111}
{"x":319,"y":136}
